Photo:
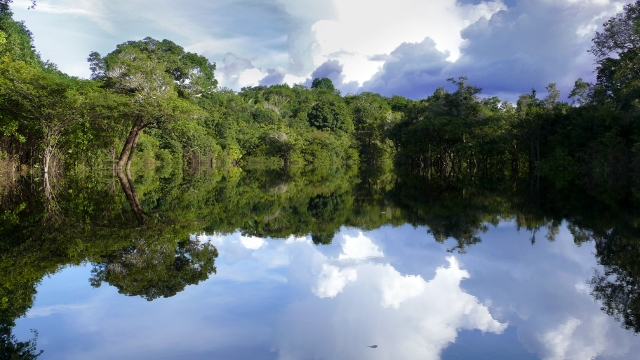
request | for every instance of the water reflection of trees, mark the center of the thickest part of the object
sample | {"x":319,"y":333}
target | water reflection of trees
{"x":155,"y":269}
{"x":618,"y":287}
{"x":12,"y":348}
{"x":141,"y":241}
{"x":609,"y":217}
{"x":93,"y":222}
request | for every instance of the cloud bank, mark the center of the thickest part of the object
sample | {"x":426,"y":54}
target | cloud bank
{"x":405,"y":47}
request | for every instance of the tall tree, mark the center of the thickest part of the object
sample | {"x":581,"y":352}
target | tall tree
{"x":16,"y":46}
{"x":324,"y":84}
{"x":159,"y":76}
{"x":580,"y":93}
{"x":617,"y":49}
{"x":620,"y":33}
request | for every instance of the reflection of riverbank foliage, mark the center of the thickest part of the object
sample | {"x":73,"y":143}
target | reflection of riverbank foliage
{"x":95,"y":223}
{"x":618,"y":288}
{"x":155,"y":270}
{"x":12,"y":348}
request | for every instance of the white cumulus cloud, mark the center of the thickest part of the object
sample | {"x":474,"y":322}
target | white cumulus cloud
{"x":332,"y":280}
{"x":359,"y":247}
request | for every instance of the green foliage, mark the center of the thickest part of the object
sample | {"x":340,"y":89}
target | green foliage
{"x":159,"y":77}
{"x":330,"y":114}
{"x":560,"y":167}
{"x":324,"y":84}
{"x":617,"y":49}
{"x":270,"y":125}
{"x":373,"y":118}
{"x":580,"y":93}
{"x":148,"y":67}
{"x":43,"y":103}
{"x":449,"y":134}
{"x":16,"y":41}
{"x":617,"y":288}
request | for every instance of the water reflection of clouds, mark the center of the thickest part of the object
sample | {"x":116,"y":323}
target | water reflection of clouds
{"x":361,"y":300}
{"x":406,"y":316}
{"x":393,"y":287}
{"x":335,"y":274}
{"x":541,"y":290}
{"x":359,"y":248}
{"x":43,"y":311}
{"x":332,"y":280}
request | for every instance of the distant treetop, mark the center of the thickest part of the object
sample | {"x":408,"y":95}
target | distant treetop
{"x":323,"y":84}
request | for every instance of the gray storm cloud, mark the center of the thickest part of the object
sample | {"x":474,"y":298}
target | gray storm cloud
{"x":330,"y":69}
{"x":274,"y":77}
{"x":524,"y":47}
{"x":411,"y":70}
{"x":333,"y":70}
{"x":528,"y":44}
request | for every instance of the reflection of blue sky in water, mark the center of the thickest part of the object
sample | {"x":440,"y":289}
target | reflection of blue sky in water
{"x":393,"y":287}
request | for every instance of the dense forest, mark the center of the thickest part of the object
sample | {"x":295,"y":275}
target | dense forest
{"x":121,"y":170}
{"x":153,"y":99}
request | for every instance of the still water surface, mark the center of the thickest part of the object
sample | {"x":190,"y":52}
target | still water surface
{"x":330,"y":266}
{"x":396,"y":288}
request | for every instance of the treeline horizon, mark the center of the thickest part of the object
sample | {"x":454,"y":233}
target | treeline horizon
{"x":152,"y":98}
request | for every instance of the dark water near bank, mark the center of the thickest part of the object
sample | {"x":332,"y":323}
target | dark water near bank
{"x":319,"y":265}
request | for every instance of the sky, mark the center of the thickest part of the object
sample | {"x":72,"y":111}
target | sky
{"x":396,"y":288}
{"x":401,"y":47}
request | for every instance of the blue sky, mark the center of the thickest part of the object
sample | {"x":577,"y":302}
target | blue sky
{"x":404,"y":47}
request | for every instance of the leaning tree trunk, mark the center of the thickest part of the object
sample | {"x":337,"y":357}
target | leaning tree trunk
{"x":130,"y":144}
{"x":130,"y":192}
{"x":133,"y":149}
{"x":48,"y":192}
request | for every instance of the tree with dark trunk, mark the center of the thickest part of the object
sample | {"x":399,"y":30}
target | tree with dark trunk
{"x":159,"y":76}
{"x":130,"y":192}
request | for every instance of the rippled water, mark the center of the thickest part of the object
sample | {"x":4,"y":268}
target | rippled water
{"x":388,"y":293}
